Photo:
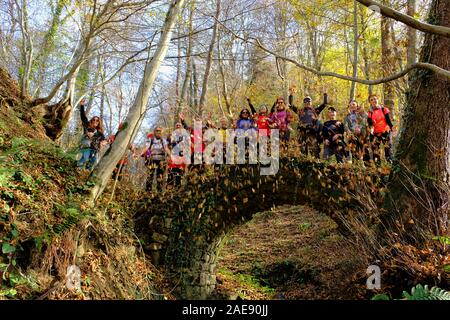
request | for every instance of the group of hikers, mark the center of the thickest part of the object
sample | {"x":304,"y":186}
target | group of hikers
{"x":357,"y":137}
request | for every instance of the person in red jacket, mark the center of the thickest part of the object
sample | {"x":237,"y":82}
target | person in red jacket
{"x":176,"y":166}
{"x":262,"y":119}
{"x":380,"y":125}
{"x":197,"y":142}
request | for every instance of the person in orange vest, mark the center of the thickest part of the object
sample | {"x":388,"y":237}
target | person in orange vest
{"x":380,"y":125}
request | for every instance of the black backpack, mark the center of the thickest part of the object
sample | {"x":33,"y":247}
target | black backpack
{"x":308,"y":119}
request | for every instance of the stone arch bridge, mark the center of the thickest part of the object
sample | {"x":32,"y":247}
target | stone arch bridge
{"x":182,"y":229}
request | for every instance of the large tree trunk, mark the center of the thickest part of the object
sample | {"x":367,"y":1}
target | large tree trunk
{"x":418,"y":197}
{"x":104,"y":169}
{"x":57,"y":116}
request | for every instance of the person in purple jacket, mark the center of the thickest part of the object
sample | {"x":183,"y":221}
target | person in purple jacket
{"x":281,"y":118}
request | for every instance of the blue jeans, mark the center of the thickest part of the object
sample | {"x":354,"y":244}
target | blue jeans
{"x":88,"y":158}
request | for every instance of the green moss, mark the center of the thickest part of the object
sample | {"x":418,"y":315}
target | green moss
{"x":247,"y":280}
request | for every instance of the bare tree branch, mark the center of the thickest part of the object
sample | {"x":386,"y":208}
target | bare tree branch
{"x":419,"y":65}
{"x":406,"y":19}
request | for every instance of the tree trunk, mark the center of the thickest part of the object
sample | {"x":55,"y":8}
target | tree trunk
{"x":355,"y":48}
{"x":365,"y":53}
{"x":194,"y":95}
{"x":280,"y":26}
{"x":42,"y":59}
{"x":187,"y":77}
{"x":178,"y":78}
{"x":27,"y":49}
{"x":387,"y":60}
{"x":102,"y":173}
{"x":224,"y":80}
{"x":219,"y":101}
{"x":209,"y":59}
{"x":418,"y":201}
{"x":412,"y":35}
{"x":57,"y":116}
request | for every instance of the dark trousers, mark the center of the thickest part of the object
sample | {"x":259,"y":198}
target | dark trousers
{"x":285,"y":135}
{"x":155,"y":167}
{"x":359,"y":148}
{"x":309,"y":143}
{"x":337,"y":150}
{"x":376,"y":141}
{"x":174,"y":177}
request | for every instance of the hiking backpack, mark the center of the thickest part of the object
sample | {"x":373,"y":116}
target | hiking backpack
{"x":148,"y":153}
{"x":308,"y":119}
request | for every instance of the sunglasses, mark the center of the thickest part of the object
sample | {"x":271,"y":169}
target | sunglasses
{"x":244,"y":112}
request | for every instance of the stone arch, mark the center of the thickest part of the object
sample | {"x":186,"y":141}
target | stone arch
{"x":183,"y":229}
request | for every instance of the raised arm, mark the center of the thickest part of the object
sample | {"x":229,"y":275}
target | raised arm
{"x":320,"y":108}
{"x":183,"y":122}
{"x":291,"y":103}
{"x":84,"y":119}
{"x":252,"y":108}
{"x":185,"y":125}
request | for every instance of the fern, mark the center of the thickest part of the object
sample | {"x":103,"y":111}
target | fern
{"x":420,"y":292}
{"x":440,"y":294}
{"x":66,"y":225}
{"x":380,"y":296}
